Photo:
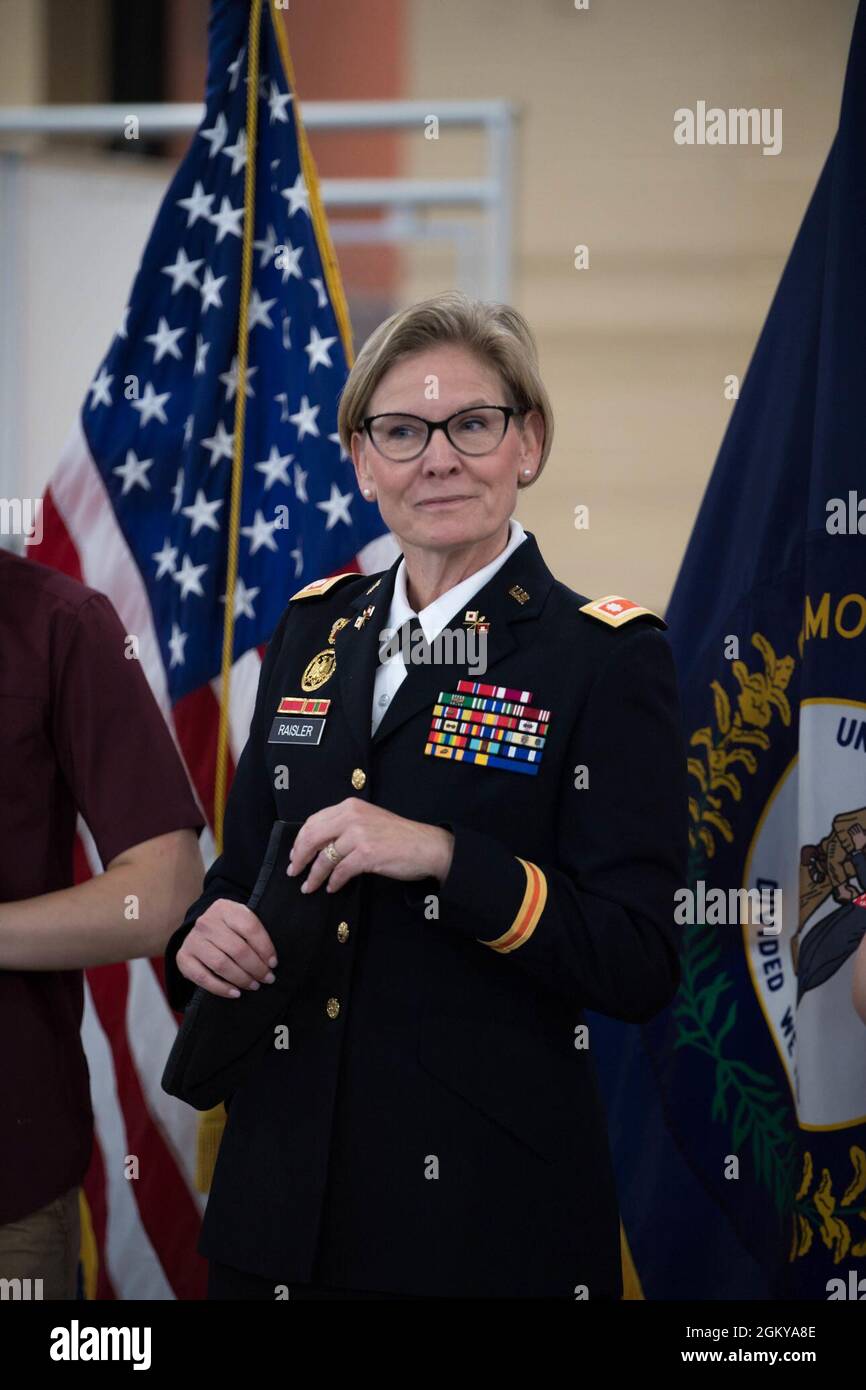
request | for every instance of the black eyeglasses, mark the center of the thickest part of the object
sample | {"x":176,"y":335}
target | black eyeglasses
{"x":475,"y":432}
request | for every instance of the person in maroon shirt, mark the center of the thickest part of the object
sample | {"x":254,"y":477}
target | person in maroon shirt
{"x":80,"y":732}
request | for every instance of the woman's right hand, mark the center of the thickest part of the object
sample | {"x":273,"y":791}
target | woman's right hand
{"x":227,"y":950}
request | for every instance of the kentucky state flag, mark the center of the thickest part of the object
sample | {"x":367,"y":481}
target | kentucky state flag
{"x":739,"y":1115}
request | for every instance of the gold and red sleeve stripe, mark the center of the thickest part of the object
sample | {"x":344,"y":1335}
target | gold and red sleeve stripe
{"x":528,"y":913}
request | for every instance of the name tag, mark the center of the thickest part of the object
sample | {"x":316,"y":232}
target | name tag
{"x":296,"y":730}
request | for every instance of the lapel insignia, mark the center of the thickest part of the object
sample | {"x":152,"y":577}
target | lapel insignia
{"x":490,"y":725}
{"x":616,"y":610}
{"x":518,"y":593}
{"x":374,"y":586}
{"x":364,"y":617}
{"x":337,"y":627}
{"x":476,"y":620}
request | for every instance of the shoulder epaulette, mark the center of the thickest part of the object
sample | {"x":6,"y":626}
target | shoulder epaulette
{"x":321,"y":586}
{"x":616,"y":610}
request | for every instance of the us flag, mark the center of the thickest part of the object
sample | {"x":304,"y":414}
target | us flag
{"x":202,"y":485}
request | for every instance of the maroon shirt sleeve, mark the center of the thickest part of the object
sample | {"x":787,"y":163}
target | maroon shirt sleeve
{"x":112,"y":744}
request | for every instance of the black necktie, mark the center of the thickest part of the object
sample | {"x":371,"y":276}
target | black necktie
{"x":405,"y":641}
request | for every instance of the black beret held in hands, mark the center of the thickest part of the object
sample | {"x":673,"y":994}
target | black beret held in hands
{"x":222,"y":1040}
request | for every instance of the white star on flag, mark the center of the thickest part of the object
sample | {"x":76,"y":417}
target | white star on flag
{"x":243,"y":599}
{"x":183,"y":272}
{"x":133,"y":472}
{"x":219,"y":445}
{"x":201,"y":351}
{"x":230,"y":379}
{"x":336,"y":507}
{"x":278,"y":101}
{"x":166,"y":559}
{"x":177,"y":491}
{"x":275,"y":467}
{"x":210,"y":291}
{"x":202,"y":513}
{"x":258,"y":311}
{"x":321,"y":293}
{"x":287,"y":260}
{"x":188,"y":428}
{"x":176,"y":644}
{"x":317,"y":349}
{"x":260,"y":533}
{"x":298,"y":557}
{"x":216,"y":136}
{"x":301,"y":483}
{"x":235,"y":69}
{"x":150,"y":407}
{"x":267,"y":247}
{"x":237,"y":153}
{"x":297,"y":196}
{"x":189,"y":578}
{"x":98,"y":388}
{"x":227,"y":220}
{"x":305,"y":419}
{"x":165,"y":341}
{"x":197,"y":204}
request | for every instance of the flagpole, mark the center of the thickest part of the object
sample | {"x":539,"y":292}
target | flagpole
{"x":240,"y":418}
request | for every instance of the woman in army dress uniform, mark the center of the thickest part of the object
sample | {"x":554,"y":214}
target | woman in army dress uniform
{"x":494,"y":843}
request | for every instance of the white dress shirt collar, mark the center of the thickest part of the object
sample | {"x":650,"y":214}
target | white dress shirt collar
{"x":439,"y":613}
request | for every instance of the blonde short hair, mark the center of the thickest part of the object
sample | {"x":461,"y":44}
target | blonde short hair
{"x":495,"y":333}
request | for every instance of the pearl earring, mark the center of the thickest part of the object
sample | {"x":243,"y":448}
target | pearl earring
{"x":527,"y":472}
{"x":367,"y":492}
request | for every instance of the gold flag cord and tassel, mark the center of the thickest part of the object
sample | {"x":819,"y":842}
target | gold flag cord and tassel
{"x":212,"y":1123}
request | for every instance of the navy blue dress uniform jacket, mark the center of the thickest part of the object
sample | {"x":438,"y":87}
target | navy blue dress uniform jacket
{"x":433,"y":1128}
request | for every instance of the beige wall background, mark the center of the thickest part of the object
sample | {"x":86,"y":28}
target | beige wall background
{"x":686,"y":244}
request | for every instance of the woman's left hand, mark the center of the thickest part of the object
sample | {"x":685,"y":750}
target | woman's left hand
{"x":368,"y":840}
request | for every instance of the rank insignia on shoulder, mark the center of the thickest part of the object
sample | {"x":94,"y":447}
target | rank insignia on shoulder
{"x":321,"y":586}
{"x":615,"y":610}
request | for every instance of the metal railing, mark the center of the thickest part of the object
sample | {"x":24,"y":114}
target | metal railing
{"x":484,"y":254}
{"x":491,"y":194}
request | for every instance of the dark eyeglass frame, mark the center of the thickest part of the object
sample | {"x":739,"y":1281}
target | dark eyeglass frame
{"x":507,"y":410}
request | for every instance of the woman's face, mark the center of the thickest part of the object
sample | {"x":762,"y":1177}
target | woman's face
{"x":443,"y":499}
